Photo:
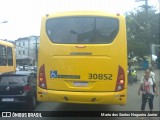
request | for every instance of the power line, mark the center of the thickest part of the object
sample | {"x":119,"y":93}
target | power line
{"x":156,"y":3}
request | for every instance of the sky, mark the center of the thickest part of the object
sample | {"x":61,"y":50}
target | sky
{"x":24,"y":16}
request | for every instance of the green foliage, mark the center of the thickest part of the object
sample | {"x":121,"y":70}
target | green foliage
{"x":142,"y":31}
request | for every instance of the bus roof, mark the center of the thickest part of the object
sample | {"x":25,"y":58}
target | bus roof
{"x":6,"y":43}
{"x":83,"y":13}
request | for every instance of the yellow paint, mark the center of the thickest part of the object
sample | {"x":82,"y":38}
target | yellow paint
{"x":105,"y":59}
{"x":8,"y":68}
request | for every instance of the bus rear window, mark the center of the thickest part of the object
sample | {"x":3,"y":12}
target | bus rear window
{"x":82,"y":30}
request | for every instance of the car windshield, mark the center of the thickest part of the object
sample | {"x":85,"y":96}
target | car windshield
{"x":83,"y":30}
{"x":13,"y":80}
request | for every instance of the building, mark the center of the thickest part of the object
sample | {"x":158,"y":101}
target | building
{"x":26,"y":50}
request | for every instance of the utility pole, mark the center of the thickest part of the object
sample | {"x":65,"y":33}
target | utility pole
{"x":146,"y":7}
{"x":36,"y":50}
{"x":148,"y":42}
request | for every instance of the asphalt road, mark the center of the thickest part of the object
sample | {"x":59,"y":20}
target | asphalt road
{"x":133,"y":104}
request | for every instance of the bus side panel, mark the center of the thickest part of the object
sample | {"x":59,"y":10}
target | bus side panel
{"x":7,"y":68}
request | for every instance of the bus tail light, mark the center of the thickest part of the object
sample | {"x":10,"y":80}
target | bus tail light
{"x":42,"y":77}
{"x":120,"y":79}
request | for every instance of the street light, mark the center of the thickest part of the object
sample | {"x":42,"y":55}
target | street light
{"x":4,"y":21}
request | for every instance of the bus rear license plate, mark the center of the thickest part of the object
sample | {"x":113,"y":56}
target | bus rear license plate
{"x":7,"y":99}
{"x":80,"y":84}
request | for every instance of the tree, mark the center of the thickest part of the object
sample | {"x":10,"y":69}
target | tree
{"x":142,"y":32}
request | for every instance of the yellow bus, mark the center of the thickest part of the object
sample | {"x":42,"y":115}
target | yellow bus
{"x":83,"y":58}
{"x":7,"y":57}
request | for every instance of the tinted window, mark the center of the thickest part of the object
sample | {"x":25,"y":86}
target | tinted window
{"x":3,"y":59}
{"x":10,"y":56}
{"x":83,"y":30}
{"x":13,"y":80}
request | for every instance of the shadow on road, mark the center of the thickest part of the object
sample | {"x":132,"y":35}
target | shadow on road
{"x":82,"y":107}
{"x":14,"y":107}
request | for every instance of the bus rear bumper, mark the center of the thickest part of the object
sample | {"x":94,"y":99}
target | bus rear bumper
{"x":115,"y":98}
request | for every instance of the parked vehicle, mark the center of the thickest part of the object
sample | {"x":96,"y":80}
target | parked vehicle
{"x":132,"y":76}
{"x":19,"y":68}
{"x":33,"y":68}
{"x":18,"y":87}
{"x":26,"y":68}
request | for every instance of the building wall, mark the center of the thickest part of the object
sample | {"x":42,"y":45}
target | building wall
{"x":26,"y":50}
{"x":22,"y":48}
